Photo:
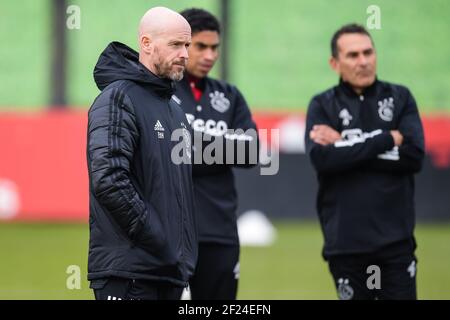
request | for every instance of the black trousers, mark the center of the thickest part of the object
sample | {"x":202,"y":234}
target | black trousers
{"x":217,"y":272}
{"x":388,"y":274}
{"x":133,"y":289}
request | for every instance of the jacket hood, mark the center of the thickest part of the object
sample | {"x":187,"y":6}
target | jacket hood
{"x":120,"y":62}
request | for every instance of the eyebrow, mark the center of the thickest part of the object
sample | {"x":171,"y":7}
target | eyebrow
{"x":207,"y":45}
{"x":176,"y":41}
{"x":356,"y":52}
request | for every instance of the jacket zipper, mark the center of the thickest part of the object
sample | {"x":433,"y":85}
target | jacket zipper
{"x":183,"y":262}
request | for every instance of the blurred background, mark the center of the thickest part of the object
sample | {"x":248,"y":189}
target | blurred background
{"x":277,"y":53}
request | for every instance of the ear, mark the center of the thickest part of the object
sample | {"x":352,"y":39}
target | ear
{"x":145,"y":43}
{"x":334,"y":64}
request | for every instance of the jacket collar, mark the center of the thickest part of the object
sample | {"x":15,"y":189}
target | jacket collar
{"x":120,"y":62}
{"x":348,"y":89}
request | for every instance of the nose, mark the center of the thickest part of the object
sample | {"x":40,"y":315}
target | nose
{"x":210,"y":55}
{"x":184,"y":53}
{"x":363,"y":60}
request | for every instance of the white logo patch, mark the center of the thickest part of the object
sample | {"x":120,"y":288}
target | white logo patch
{"x":176,"y":99}
{"x":386,"y":109}
{"x":219,"y":101}
{"x":209,"y":126}
{"x":353,"y":136}
{"x":158,"y":126}
{"x":412,"y":269}
{"x":345,"y":116}
{"x":160,"y":129}
{"x":187,"y":140}
{"x":393,"y":155}
{"x":345,"y":291}
{"x":237,"y":270}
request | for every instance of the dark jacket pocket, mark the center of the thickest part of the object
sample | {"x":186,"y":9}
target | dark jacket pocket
{"x":151,"y":236}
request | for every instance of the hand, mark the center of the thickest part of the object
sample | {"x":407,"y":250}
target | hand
{"x":398,"y":137}
{"x":324,"y":135}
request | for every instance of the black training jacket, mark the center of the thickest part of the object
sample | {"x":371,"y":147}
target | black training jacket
{"x":366,"y":185}
{"x":142,"y":223}
{"x":221,"y":108}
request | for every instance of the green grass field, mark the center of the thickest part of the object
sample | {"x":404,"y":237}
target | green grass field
{"x":278,"y":49}
{"x":34,"y":259}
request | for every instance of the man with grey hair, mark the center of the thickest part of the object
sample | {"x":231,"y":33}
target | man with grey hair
{"x":143,"y":236}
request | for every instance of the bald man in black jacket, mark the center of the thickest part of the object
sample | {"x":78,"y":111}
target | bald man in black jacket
{"x":143,"y":234}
